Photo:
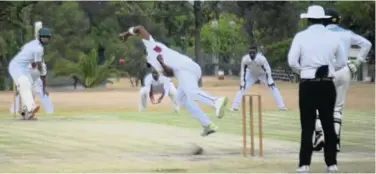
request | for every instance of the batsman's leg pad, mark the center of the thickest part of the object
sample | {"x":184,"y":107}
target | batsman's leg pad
{"x":318,"y":138}
{"x":25,"y":90}
{"x":337,"y":126}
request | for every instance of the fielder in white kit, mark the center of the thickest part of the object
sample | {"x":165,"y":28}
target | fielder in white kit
{"x":342,"y":75}
{"x":19,"y":70}
{"x":254,"y":66}
{"x":188,"y":74}
{"x":155,"y":83}
{"x":37,"y":89}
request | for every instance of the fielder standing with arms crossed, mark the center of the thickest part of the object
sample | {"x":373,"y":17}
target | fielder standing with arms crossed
{"x":343,"y":75}
{"x":311,"y":55}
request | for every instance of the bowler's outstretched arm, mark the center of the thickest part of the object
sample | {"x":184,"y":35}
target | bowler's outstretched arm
{"x":137,"y":30}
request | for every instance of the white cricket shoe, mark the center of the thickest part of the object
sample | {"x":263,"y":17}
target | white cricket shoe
{"x":303,"y":169}
{"x":283,"y":109}
{"x":233,"y":110}
{"x":220,"y":107}
{"x":207,"y":130}
{"x":141,"y":109}
{"x":31,"y":115}
{"x":333,"y":169}
{"x":176,"y":109}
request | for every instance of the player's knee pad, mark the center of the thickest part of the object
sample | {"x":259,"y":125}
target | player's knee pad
{"x":337,"y":122}
{"x":337,"y":116}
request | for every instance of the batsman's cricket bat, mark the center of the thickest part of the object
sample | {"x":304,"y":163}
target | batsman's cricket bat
{"x":37,"y":26}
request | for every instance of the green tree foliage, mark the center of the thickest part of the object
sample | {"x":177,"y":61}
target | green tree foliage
{"x":224,"y":35}
{"x":225,"y":39}
{"x":78,"y":28}
{"x":86,"y":70}
{"x":276,"y":53}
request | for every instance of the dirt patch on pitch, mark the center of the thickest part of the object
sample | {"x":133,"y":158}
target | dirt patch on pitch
{"x":178,"y":144}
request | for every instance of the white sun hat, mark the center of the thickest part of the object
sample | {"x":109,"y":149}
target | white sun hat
{"x":314,"y":12}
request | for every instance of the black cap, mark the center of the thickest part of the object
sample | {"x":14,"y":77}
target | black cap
{"x":334,"y":15}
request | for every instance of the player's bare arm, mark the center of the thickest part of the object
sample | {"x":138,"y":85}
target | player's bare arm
{"x":45,"y":92}
{"x":243,"y":68}
{"x":151,"y":94}
{"x":161,"y":97}
{"x":43,"y":72}
{"x":268,"y":72}
{"x":200,"y":82}
{"x":168,"y":71}
{"x":137,"y":30}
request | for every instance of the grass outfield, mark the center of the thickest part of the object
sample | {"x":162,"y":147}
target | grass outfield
{"x":161,"y":142}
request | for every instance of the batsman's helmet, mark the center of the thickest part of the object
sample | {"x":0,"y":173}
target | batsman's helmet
{"x":44,"y":32}
{"x":335,"y":17}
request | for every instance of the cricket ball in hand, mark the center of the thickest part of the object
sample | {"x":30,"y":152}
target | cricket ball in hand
{"x":121,"y":61}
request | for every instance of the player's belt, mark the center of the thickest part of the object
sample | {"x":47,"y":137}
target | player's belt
{"x":317,"y":79}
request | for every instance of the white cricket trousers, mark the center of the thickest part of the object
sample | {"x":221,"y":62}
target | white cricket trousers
{"x":342,"y":82}
{"x":37,"y":90}
{"x":189,"y":91}
{"x":22,"y":78}
{"x":250,"y":79}
{"x":144,"y":95}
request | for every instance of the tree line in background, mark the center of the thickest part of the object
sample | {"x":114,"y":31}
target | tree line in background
{"x":216,"y":34}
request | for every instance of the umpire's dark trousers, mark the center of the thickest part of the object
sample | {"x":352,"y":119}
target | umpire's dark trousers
{"x":317,"y":94}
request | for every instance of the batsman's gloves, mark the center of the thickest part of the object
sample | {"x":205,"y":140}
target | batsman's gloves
{"x":352,"y":66}
{"x":43,"y":70}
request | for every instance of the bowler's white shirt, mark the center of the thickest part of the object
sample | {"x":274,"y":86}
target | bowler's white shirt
{"x":314,"y":47}
{"x":348,"y":38}
{"x":171,"y":58}
{"x":31,"y":52}
{"x":162,"y":84}
{"x":259,"y":66}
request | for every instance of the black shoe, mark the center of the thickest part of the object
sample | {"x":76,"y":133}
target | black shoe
{"x":23,"y":115}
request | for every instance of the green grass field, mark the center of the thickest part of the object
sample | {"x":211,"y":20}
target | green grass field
{"x":161,"y":142}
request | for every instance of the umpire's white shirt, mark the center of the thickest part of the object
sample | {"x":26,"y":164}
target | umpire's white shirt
{"x":314,"y":47}
{"x":163,"y":84}
{"x":348,"y":38}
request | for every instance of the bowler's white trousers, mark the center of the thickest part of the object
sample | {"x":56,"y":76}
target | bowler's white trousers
{"x":22,"y":78}
{"x":189,"y":91}
{"x":37,"y":90}
{"x":144,"y":95}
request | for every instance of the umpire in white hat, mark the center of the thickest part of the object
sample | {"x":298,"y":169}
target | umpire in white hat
{"x":312,"y":55}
